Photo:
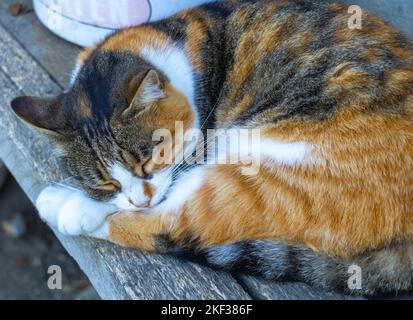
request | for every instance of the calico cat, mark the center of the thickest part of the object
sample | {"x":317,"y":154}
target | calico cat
{"x":334,"y":109}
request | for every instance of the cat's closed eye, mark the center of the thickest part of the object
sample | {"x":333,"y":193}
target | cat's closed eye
{"x":109,"y":186}
{"x":129,"y":159}
{"x":141,"y":171}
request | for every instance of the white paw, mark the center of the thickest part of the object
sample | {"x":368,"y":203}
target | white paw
{"x":73,"y":213}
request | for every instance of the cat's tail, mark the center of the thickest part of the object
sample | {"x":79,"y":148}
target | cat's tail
{"x":387,"y":270}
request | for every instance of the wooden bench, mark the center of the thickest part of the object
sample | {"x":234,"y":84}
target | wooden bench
{"x":35,"y":62}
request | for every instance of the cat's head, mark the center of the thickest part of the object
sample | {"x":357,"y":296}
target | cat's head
{"x":104,"y":128}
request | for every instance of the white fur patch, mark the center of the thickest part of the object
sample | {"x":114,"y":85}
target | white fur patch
{"x":187,"y":184}
{"x":289,"y":153}
{"x":173,"y":62}
{"x":132,"y":195}
{"x":162,"y":181}
{"x":73,"y":213}
{"x":247,"y":147}
{"x":101,"y":233}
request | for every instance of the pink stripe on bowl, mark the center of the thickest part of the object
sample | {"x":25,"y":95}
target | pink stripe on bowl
{"x":112,"y":14}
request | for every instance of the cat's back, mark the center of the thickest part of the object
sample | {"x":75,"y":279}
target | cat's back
{"x":308,"y":60}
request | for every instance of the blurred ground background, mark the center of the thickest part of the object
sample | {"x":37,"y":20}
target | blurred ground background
{"x":27,"y":246}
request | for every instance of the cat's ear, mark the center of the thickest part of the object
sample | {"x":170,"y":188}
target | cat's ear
{"x":41,"y":113}
{"x":147,"y":89}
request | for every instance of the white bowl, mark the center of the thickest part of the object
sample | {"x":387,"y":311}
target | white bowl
{"x":86,"y":22}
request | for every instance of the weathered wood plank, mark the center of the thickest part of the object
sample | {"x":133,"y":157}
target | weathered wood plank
{"x":53,"y":53}
{"x":115,"y":272}
{"x":262,"y":289}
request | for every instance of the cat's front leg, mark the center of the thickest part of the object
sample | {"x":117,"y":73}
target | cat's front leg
{"x":72,"y":212}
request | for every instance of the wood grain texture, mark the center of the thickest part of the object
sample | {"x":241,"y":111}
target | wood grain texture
{"x":262,"y":289}
{"x":53,"y":53}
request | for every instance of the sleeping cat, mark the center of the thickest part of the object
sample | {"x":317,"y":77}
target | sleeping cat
{"x":334,"y":109}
